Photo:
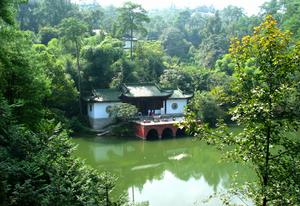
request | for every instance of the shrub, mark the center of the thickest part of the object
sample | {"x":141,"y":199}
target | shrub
{"x":123,"y":112}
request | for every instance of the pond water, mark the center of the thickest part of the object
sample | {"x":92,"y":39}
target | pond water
{"x":176,"y":172}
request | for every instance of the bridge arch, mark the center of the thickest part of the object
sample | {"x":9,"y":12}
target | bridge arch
{"x":180,"y":132}
{"x":167,"y":133}
{"x":152,"y":135}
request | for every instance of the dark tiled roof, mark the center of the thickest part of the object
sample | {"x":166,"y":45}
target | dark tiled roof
{"x":104,"y":95}
{"x":144,"y":90}
{"x":178,"y":94}
{"x":134,"y":91}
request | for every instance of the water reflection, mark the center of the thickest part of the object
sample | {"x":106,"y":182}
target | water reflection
{"x":176,"y":171}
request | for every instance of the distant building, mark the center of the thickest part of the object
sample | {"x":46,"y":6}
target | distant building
{"x":127,"y":42}
{"x":147,"y":97}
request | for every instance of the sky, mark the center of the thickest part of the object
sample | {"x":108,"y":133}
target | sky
{"x":250,"y":6}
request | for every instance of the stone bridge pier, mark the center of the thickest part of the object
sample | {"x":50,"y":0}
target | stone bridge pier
{"x":154,"y":130}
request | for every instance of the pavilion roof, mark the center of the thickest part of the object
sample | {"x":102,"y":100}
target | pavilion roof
{"x":104,"y":95}
{"x":144,"y":90}
{"x":178,"y":94}
{"x":139,"y":90}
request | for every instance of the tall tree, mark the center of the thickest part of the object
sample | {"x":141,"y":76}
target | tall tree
{"x":74,"y":30}
{"x":8,"y":10}
{"x":131,"y":18}
{"x":265,"y":109}
{"x":266,"y":113}
{"x":98,"y":71}
{"x":174,"y":43}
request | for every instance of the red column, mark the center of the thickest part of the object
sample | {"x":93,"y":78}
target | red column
{"x":140,"y":131}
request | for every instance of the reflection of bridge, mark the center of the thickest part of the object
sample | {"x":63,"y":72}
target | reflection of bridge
{"x":158,"y":128}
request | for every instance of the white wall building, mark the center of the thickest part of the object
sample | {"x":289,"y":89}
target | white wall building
{"x":147,"y":97}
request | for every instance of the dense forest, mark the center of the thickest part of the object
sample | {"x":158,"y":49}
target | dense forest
{"x":54,"y":52}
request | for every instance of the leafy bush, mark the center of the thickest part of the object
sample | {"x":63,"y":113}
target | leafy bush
{"x":123,"y":112}
{"x":206,"y":108}
{"x":37,"y":168}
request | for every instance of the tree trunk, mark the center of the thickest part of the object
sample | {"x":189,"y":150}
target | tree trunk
{"x":267,"y":158}
{"x":79,"y":76}
{"x":266,"y":169}
{"x":131,"y":45}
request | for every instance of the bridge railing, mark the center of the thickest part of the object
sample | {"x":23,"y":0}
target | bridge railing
{"x":159,"y":118}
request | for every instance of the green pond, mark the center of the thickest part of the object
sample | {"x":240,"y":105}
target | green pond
{"x":176,"y":172}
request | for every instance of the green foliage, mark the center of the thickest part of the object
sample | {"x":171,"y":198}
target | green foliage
{"x":148,"y":57}
{"x":176,"y":78}
{"x":206,"y":108}
{"x":211,"y":50}
{"x":124,"y":72}
{"x":286,"y":13}
{"x":37,"y":14}
{"x":38,"y":82}
{"x":99,"y":60}
{"x":37,"y":168}
{"x":192,"y":78}
{"x":131,"y":18}
{"x":8,"y":10}
{"x":72,"y":29}
{"x":265,"y":113}
{"x":225,"y":64}
{"x":291,"y":21}
{"x":23,"y":82}
{"x":123,"y":112}
{"x":47,"y":33}
{"x":264,"y":110}
{"x":174,"y":43}
{"x":63,"y":92}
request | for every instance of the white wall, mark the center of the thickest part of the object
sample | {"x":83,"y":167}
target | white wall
{"x":99,"y":109}
{"x":181,"y":104}
{"x":127,"y":44}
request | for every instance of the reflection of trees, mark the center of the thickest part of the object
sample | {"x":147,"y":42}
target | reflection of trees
{"x":122,"y":159}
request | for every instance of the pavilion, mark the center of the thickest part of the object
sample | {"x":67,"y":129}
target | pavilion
{"x":149,"y":98}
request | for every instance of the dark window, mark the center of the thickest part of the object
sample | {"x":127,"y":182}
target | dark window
{"x":108,"y":109}
{"x":174,"y":106}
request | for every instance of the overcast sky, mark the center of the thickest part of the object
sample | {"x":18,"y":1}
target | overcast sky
{"x":250,"y":6}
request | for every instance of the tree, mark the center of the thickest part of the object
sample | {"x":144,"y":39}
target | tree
{"x":131,"y":18}
{"x":155,"y":27}
{"x":182,"y":19}
{"x":211,"y":49}
{"x":174,"y":78}
{"x":225,"y":64}
{"x":34,"y":14}
{"x":47,"y":33}
{"x":291,"y":21}
{"x":123,"y":112}
{"x":38,"y":168}
{"x":286,"y":12}
{"x":74,"y":30}
{"x":148,"y":57}
{"x":63,"y":91}
{"x":175,"y":43}
{"x":265,"y":111}
{"x":23,"y":83}
{"x":7,"y":11}
{"x":100,"y":63}
{"x":206,"y":108}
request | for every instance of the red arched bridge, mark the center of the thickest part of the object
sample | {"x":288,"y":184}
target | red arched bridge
{"x":159,"y":129}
